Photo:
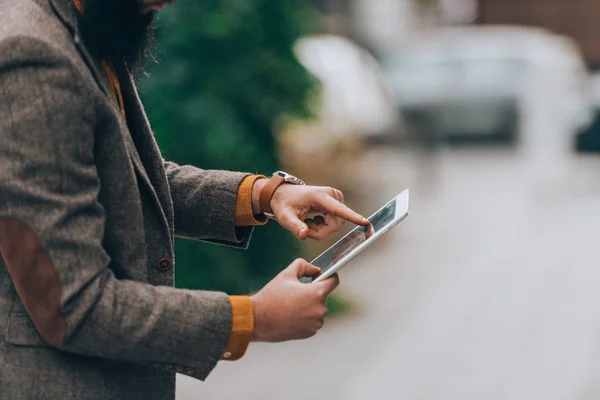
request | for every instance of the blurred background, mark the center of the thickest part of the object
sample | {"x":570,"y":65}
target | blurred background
{"x":488,"y":110}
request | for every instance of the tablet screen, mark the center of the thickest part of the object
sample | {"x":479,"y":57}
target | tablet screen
{"x":359,"y":235}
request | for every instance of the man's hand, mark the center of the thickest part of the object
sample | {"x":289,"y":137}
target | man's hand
{"x":293,"y":204}
{"x":287,"y":309}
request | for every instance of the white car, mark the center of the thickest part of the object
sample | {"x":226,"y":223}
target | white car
{"x":353,"y":103}
{"x":470,"y":80}
{"x":352,"y":107}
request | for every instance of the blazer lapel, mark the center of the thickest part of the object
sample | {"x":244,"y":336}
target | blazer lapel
{"x":147,"y":154}
{"x":156,"y":182}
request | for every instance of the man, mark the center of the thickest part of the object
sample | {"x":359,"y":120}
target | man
{"x":89,"y":209}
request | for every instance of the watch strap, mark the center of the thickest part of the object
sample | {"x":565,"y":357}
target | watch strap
{"x":266,"y":194}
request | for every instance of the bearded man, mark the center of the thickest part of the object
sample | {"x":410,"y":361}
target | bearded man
{"x":89,"y":211}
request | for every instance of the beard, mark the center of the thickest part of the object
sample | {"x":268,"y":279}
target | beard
{"x":119,"y":32}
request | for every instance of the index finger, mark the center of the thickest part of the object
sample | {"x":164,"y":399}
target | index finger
{"x":331,"y":205}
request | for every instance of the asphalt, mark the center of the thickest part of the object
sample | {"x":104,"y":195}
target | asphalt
{"x":490,"y":289}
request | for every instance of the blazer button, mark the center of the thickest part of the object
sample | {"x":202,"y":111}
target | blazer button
{"x":164,"y":264}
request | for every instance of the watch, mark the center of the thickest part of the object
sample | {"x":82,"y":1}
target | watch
{"x":266,"y":194}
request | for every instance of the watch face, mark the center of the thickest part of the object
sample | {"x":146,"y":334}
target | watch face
{"x":295,"y":181}
{"x":289,"y":178}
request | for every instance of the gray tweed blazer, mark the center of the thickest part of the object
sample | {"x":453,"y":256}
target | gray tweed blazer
{"x":88,"y":213}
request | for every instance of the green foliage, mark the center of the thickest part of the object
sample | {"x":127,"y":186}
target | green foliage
{"x":338,"y":305}
{"x":226,"y":75}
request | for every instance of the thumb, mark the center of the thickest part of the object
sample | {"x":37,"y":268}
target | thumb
{"x":293,"y":224}
{"x":330,"y":284}
{"x":300,"y":268}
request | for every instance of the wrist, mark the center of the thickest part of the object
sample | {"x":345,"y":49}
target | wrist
{"x":256,"y":334}
{"x":264,"y":189}
{"x":258,"y":186}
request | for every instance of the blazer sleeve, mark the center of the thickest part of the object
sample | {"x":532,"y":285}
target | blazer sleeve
{"x":204,"y":204}
{"x":52,"y":226}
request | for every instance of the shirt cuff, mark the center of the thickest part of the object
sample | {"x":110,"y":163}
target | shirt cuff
{"x":242,"y":328}
{"x":243,"y":204}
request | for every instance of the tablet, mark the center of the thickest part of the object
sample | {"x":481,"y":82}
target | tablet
{"x":360,"y":238}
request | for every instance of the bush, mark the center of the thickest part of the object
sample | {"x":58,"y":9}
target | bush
{"x":226,"y":75}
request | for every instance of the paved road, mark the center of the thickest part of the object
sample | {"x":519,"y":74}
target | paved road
{"x":489,"y":290}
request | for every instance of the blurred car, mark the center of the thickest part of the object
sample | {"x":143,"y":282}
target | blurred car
{"x":470,"y":80}
{"x":563,"y":56}
{"x":588,"y":137}
{"x":352,"y":106}
{"x":354,"y":99}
